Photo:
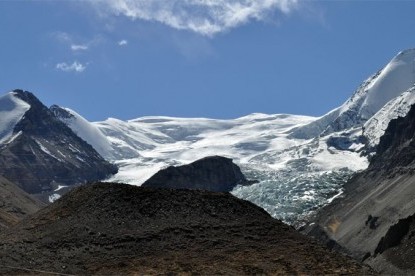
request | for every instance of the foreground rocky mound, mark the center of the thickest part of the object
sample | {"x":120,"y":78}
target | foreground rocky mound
{"x":214,"y":173}
{"x":374,"y":220}
{"x":15,"y":204}
{"x":120,"y":229}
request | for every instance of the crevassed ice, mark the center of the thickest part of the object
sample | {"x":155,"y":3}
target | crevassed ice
{"x":290,"y":195}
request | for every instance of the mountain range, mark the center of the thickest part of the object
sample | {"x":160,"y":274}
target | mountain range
{"x":301,"y":162}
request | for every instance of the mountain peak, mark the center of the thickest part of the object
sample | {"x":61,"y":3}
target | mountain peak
{"x":24,"y":95}
{"x":48,"y":152}
{"x":387,"y":84}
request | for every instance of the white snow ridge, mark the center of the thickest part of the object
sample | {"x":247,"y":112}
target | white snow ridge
{"x":12,"y":109}
{"x":301,"y":162}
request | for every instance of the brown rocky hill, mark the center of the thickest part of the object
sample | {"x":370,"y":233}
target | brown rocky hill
{"x":15,"y":204}
{"x":109,"y":228}
{"x":374,"y":220}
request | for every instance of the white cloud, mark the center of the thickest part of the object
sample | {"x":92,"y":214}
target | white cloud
{"x":206,"y":17}
{"x":74,"y":67}
{"x":79,"y":47}
{"x":122,"y":42}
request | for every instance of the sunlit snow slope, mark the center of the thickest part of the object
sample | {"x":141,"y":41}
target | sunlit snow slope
{"x":12,"y":110}
{"x":300,"y":161}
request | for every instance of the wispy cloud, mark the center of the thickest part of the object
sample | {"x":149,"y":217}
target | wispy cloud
{"x":206,"y":17}
{"x":79,"y":47}
{"x":122,"y":42}
{"x":75,"y":43}
{"x":74,"y":67}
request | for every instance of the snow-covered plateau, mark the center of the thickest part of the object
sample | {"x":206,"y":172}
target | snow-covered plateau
{"x":301,"y":162}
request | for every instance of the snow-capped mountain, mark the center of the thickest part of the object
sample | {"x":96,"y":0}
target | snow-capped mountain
{"x":301,"y":161}
{"x":38,"y":152}
{"x":395,"y":78}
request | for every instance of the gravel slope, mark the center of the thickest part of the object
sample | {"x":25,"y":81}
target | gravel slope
{"x":109,"y":228}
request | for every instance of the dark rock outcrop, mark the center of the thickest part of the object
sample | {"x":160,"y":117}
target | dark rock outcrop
{"x":15,"y":204}
{"x":395,"y":235}
{"x":46,"y":153}
{"x":214,"y":173}
{"x":395,"y":153}
{"x":372,"y":218}
{"x":109,"y":228}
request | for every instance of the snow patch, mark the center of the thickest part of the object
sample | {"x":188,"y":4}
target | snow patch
{"x":54,"y":197}
{"x":60,"y":187}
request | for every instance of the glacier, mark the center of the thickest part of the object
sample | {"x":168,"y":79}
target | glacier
{"x":301,"y":162}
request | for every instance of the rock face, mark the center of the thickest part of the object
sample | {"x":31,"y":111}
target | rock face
{"x":214,"y":173}
{"x":15,"y":204}
{"x":44,"y":153}
{"x":374,"y":219}
{"x":121,"y":229}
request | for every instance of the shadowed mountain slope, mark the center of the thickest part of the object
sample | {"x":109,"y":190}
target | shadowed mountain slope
{"x":15,"y":204}
{"x":374,"y":219}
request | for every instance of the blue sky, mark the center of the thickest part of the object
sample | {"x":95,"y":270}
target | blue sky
{"x":127,"y":59}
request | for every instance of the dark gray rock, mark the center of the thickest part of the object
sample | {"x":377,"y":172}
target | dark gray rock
{"x":214,"y":173}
